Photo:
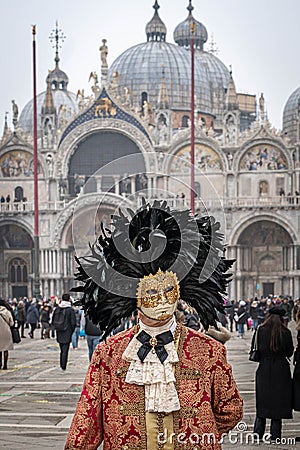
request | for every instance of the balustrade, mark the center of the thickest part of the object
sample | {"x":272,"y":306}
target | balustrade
{"x":173,"y":201}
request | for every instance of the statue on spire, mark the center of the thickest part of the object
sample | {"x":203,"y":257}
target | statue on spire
{"x":103,"y":53}
{"x":95,"y":88}
{"x":104,"y":66}
{"x":15,"y":111}
{"x":262,"y":107}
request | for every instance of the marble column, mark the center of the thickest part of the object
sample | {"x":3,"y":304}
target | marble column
{"x":117,"y":184}
{"x":133,"y":184}
{"x":98,"y":183}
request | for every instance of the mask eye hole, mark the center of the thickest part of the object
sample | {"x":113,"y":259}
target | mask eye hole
{"x":151,"y":292}
{"x":169,"y":289}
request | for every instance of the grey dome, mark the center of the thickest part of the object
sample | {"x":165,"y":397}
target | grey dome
{"x":219,"y":78}
{"x":140,"y":69}
{"x":290,"y":114}
{"x":156,"y":30}
{"x":58,"y":79}
{"x":60,"y":97}
{"x":183,"y":34}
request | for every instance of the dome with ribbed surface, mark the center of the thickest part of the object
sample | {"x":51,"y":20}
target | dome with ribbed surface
{"x":188,"y":29}
{"x":140,"y":71}
{"x":62,"y":99}
{"x":291,"y":115}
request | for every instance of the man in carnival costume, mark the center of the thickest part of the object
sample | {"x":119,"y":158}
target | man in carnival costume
{"x":158,"y":385}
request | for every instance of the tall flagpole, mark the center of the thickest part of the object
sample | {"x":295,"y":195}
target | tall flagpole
{"x":36,"y":262}
{"x":192,"y":25}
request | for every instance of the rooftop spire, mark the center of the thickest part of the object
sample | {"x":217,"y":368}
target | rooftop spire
{"x":56,"y":38}
{"x":163,"y":97}
{"x":57,"y":78}
{"x":6,"y":131}
{"x":231,"y":98}
{"x":190,"y":7}
{"x":156,"y":7}
{"x":48,"y":105}
{"x":156,"y":30}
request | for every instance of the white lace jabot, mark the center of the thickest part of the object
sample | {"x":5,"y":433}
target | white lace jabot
{"x":158,"y":378}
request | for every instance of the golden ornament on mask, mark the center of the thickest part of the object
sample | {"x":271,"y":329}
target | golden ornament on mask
{"x":163,"y":316}
{"x":160,"y":288}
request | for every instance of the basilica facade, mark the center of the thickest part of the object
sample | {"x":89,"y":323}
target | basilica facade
{"x":131,"y":138}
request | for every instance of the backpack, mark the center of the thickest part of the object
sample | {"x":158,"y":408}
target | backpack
{"x":59,"y":319}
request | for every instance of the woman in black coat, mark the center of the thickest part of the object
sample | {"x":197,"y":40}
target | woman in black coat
{"x":64,"y":333}
{"x":296,"y":376}
{"x":273,"y":376}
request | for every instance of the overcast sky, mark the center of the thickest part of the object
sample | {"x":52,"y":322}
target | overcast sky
{"x":260,"y":39}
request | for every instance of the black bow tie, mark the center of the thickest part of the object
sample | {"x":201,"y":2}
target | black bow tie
{"x":156,"y":344}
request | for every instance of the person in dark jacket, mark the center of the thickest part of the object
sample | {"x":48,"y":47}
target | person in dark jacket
{"x":21,"y":317}
{"x":93,"y":334}
{"x":261,"y":316}
{"x":231,"y":310}
{"x":254,"y":310}
{"x":296,"y":378}
{"x":273,"y":376}
{"x":64,"y":336}
{"x":75,"y":335}
{"x":32,"y":317}
{"x":45,"y":321}
{"x":242,"y":317}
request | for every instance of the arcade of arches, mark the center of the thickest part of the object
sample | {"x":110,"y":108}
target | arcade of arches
{"x":265,"y":256}
{"x":16,"y":246}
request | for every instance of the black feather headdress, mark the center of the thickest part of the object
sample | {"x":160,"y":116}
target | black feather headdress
{"x":153,"y":238}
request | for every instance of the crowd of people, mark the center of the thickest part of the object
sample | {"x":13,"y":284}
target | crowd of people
{"x":269,"y":318}
{"x":36,"y":315}
{"x":250,"y":313}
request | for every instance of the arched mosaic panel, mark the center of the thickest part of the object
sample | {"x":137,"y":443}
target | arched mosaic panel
{"x":14,"y":237}
{"x":85,"y":228}
{"x":98,"y":151}
{"x":17,"y":163}
{"x":264,"y":233}
{"x":263,"y":157}
{"x":206,"y":159}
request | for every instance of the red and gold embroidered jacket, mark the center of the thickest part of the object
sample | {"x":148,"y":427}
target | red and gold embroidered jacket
{"x":112,"y":410}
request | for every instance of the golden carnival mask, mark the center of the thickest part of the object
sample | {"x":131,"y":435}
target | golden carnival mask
{"x":157,"y":295}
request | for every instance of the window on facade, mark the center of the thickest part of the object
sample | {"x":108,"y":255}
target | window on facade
{"x":19,"y":194}
{"x":144,"y":98}
{"x":185,"y":121}
{"x":18,"y":271}
{"x":263,"y":188}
